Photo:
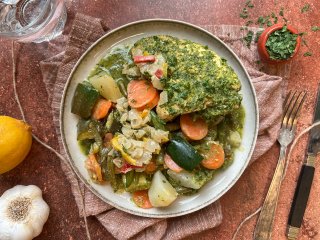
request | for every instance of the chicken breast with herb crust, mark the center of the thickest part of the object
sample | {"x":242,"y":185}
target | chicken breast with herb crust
{"x":196,"y":80}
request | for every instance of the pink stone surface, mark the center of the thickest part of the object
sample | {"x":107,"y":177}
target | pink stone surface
{"x":42,"y":168}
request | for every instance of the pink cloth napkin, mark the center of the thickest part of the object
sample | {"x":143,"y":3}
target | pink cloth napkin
{"x":121,"y":225}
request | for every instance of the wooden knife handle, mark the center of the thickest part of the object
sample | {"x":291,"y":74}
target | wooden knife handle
{"x":301,"y":196}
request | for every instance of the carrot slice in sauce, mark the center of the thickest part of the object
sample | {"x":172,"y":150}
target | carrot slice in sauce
{"x":214,"y":159}
{"x":141,"y":199}
{"x":101,"y":109}
{"x":141,"y":93}
{"x":195,"y":129}
{"x":152,"y":103}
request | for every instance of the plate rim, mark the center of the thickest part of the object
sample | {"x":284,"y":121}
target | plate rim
{"x":85,"y":181}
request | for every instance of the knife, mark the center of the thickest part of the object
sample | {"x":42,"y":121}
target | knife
{"x":303,"y":188}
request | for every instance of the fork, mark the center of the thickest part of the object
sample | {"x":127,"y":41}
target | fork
{"x":292,"y":107}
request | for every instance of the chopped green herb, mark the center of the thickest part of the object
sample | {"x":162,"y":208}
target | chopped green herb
{"x":258,"y":34}
{"x":307,"y":54}
{"x":305,"y":8}
{"x":315,"y":28}
{"x":244,"y":13}
{"x":249,"y":22}
{"x":281,"y":44}
{"x":273,"y":15}
{"x":249,"y":4}
{"x":281,"y":12}
{"x":304,"y":42}
{"x":269,"y":23}
{"x":258,"y":62}
{"x":248,"y":38}
{"x":264,"y":20}
{"x":275,"y":20}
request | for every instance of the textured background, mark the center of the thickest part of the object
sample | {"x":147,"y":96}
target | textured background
{"x":42,"y":168}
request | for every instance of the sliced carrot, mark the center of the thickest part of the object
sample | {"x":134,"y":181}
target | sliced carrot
{"x":140,"y":93}
{"x":93,"y":166}
{"x":171,"y":164}
{"x":141,"y":199}
{"x":214,"y":158}
{"x":101,"y":109}
{"x":195,"y":129}
{"x":151,"y":167}
{"x":152,"y":103}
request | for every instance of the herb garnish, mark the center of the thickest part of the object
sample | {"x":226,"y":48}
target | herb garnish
{"x":257,"y":36}
{"x":281,"y":12}
{"x":244,"y":13}
{"x":248,"y":38}
{"x":307,"y":54}
{"x":249,"y":4}
{"x":315,"y":28}
{"x":281,"y":44}
{"x":305,"y":8}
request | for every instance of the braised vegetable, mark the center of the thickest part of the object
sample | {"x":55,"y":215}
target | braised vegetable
{"x":144,"y":59}
{"x":106,"y":86}
{"x":93,"y":166}
{"x":140,"y":181}
{"x":89,"y":129}
{"x":101,"y":109}
{"x":193,"y":127}
{"x":187,"y":179}
{"x":113,"y":124}
{"x":214,"y":158}
{"x":140,"y":93}
{"x":84,"y":99}
{"x":153,"y":103}
{"x":156,"y":121}
{"x":161,"y":193}
{"x":183,"y":153}
{"x":141,"y":199}
{"x":171,"y":164}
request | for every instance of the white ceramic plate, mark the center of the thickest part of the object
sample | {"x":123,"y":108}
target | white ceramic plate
{"x":129,"y":34}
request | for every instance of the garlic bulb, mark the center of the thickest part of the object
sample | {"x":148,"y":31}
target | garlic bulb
{"x":23,"y":213}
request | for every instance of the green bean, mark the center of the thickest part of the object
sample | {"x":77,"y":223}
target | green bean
{"x":111,"y":174}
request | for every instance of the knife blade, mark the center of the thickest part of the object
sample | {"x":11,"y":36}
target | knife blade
{"x":304,"y":183}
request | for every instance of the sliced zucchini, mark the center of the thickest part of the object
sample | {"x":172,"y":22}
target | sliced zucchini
{"x":84,"y":98}
{"x":183,"y":153}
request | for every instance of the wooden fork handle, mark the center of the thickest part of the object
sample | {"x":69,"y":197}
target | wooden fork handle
{"x":263,"y":229}
{"x":300,"y":201}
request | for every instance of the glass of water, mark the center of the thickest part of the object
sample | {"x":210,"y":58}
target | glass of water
{"x":32,"y":20}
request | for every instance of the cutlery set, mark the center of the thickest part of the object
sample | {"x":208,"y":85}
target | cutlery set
{"x":264,"y":226}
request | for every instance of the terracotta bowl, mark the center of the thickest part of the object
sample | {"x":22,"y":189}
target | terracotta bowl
{"x":264,"y":55}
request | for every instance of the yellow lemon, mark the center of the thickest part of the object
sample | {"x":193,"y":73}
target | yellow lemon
{"x":15,"y":142}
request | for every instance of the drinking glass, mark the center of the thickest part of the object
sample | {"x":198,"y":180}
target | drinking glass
{"x":32,"y":20}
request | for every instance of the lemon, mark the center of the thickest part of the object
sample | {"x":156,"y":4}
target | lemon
{"x":15,"y":142}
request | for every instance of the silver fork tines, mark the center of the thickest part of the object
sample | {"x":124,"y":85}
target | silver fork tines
{"x":292,"y":107}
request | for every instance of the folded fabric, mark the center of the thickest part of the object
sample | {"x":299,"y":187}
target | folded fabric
{"x":122,"y":225}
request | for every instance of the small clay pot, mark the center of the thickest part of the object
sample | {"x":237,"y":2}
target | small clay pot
{"x":263,"y":52}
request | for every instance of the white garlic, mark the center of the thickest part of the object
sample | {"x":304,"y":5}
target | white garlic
{"x":23,"y":213}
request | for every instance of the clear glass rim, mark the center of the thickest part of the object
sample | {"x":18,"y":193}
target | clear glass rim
{"x":22,"y":32}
